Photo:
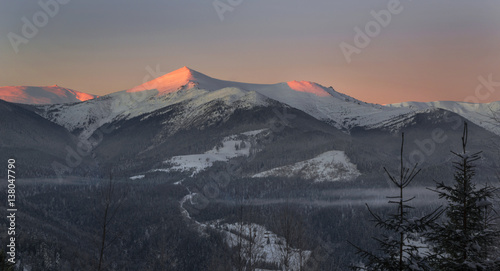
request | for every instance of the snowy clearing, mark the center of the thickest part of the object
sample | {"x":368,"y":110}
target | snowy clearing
{"x":328,"y":166}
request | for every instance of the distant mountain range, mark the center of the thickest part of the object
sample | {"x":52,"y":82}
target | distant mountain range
{"x":186,"y":122}
{"x":42,"y":95}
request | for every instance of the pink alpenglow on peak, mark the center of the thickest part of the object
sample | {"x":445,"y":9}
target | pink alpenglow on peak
{"x":309,"y":87}
{"x":43,"y":95}
{"x":170,"y":82}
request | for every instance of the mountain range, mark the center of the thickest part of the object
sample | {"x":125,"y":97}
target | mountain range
{"x":207,"y":167}
{"x":42,"y":95}
{"x":157,"y":126}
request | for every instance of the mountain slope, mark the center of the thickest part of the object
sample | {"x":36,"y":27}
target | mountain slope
{"x":85,"y":118}
{"x":32,"y":140}
{"x":429,"y":138}
{"x":481,"y":114}
{"x":42,"y":95}
{"x":174,"y":130}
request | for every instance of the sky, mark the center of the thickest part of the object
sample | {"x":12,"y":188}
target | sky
{"x":376,"y":51}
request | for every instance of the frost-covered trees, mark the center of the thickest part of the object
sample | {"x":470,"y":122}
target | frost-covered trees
{"x":401,"y":247}
{"x":462,"y":241}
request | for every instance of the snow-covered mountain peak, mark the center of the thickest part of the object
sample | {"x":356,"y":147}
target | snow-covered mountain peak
{"x":179,"y":79}
{"x":186,"y":78}
{"x":42,"y":95}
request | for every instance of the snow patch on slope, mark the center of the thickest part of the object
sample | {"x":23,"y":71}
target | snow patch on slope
{"x":137,"y":177}
{"x":328,"y":166}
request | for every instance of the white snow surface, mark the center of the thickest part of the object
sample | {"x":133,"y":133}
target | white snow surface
{"x":483,"y":115}
{"x":328,"y":166}
{"x":137,"y":177}
{"x":42,"y":95}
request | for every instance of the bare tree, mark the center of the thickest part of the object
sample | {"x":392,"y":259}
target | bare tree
{"x":110,"y":206}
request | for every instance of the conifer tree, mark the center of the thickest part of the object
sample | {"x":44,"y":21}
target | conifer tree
{"x":463,"y":240}
{"x":401,"y":245}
